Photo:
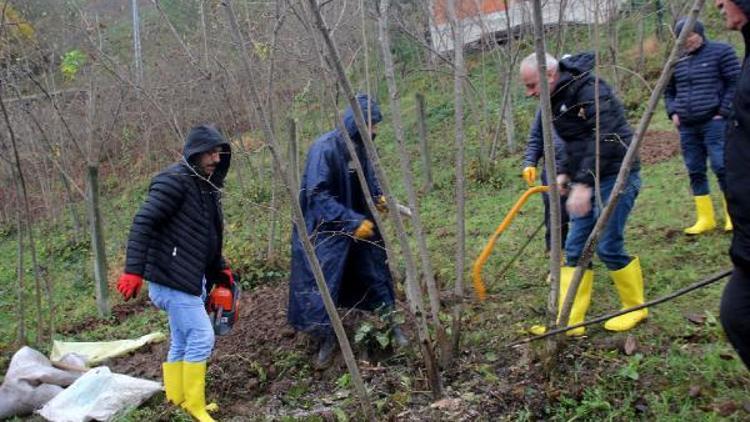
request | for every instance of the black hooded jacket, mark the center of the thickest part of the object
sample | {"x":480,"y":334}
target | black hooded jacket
{"x":176,"y":236}
{"x":574,"y":111}
{"x":737,"y":160}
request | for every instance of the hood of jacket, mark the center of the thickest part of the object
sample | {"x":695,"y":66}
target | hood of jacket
{"x":202,"y":139}
{"x":572,"y":68}
{"x":369,"y":107}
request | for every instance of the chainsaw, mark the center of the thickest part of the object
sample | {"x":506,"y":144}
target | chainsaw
{"x":223,"y":306}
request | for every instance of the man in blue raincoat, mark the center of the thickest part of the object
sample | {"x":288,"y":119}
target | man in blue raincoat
{"x":341,"y":227}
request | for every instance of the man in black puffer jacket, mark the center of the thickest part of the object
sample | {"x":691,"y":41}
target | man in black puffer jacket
{"x":573,"y":91}
{"x":735,"y":302}
{"x":698,"y":100}
{"x":175,"y":243}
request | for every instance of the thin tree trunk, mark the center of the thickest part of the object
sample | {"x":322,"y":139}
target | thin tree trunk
{"x":97,"y":241}
{"x":413,"y":292}
{"x":423,"y":142}
{"x":293,"y":152}
{"x":458,"y":81}
{"x":405,"y":160}
{"x":549,"y":164}
{"x":30,"y":232}
{"x":137,"y":56}
{"x":627,"y":162}
{"x":298,"y":218}
{"x":20,"y":287}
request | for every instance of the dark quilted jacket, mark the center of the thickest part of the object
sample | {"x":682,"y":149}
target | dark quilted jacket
{"x":573,"y":108}
{"x":176,"y":235}
{"x":737,"y":157}
{"x":703,"y":83}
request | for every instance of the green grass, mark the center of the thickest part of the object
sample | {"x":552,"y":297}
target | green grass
{"x":673,"y":354}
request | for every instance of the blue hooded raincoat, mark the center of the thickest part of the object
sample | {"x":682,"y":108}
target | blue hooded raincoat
{"x":334,"y":206}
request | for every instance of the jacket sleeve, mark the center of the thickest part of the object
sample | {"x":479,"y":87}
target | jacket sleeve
{"x":730,"y":72}
{"x":326,"y":207}
{"x":165,"y":196}
{"x":670,"y":92}
{"x":535,"y":144}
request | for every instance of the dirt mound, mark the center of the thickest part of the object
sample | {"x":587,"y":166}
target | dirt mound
{"x":659,"y":146}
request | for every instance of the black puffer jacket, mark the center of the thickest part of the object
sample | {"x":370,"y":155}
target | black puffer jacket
{"x":573,"y":107}
{"x":737,"y":157}
{"x":176,"y":235}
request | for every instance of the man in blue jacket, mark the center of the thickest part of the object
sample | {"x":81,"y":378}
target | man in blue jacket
{"x":534,"y":152}
{"x":572,"y":85}
{"x":347,"y":242}
{"x":175,"y":243}
{"x":699,"y":101}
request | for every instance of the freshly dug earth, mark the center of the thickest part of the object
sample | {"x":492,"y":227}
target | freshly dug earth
{"x":262,"y":368}
{"x":659,"y":146}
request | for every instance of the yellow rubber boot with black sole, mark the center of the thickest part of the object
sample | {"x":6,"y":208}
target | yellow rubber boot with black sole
{"x":629,"y":284}
{"x":705,"y":221}
{"x":172,"y":373}
{"x":728,"y":227}
{"x":194,"y":386}
{"x":580,"y":303}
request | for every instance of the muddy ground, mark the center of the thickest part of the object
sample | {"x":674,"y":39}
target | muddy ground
{"x":262,"y":369}
{"x":660,"y":146}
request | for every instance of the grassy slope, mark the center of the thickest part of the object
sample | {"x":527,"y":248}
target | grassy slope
{"x":673,"y":355}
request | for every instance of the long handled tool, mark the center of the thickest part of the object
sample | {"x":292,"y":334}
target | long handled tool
{"x":479,"y":287}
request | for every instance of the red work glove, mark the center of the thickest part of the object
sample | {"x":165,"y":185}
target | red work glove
{"x":129,"y":285}
{"x":229,"y":277}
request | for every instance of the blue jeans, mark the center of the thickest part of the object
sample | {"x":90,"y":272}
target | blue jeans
{"x":191,"y":336}
{"x":611,"y":246}
{"x":700,"y":141}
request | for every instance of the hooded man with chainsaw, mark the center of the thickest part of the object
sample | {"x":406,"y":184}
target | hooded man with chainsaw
{"x":698,"y":100}
{"x":572,"y":86}
{"x":175,"y":243}
{"x":735,"y":302}
{"x":342,"y":229}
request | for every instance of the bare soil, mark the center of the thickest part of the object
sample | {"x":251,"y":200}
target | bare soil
{"x":659,"y":146}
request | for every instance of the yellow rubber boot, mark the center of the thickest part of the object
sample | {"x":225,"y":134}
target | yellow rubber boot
{"x":172,"y":373}
{"x":728,"y":227}
{"x":705,"y":221}
{"x":629,"y":283}
{"x":580,"y":303}
{"x":194,"y":385}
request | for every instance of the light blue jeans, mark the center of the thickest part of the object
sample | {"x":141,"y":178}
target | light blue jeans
{"x":191,"y":336}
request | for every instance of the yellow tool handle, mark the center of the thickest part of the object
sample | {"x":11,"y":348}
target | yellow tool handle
{"x":479,"y":287}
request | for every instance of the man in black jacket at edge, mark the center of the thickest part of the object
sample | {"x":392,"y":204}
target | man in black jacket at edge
{"x":175,"y":243}
{"x":735,"y":303}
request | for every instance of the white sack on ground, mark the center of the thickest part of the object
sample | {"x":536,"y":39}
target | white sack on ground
{"x":32,"y":381}
{"x":96,"y":352}
{"x":98,"y":395}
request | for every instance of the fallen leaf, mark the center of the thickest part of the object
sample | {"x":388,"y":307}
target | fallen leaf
{"x":746,"y":406}
{"x":630,"y":346}
{"x":726,"y":356}
{"x":446,"y":404}
{"x":726,"y":408}
{"x":697,"y":319}
{"x":695,"y":391}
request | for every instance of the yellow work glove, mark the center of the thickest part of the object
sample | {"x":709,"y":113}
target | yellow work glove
{"x":381,"y":204}
{"x":529,"y":175}
{"x":365,"y":230}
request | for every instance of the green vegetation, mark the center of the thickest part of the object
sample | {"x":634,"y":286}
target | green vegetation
{"x":681,"y":369}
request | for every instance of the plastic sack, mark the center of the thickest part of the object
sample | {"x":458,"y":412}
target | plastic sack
{"x":96,"y":352}
{"x":98,"y":395}
{"x":32,"y":381}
